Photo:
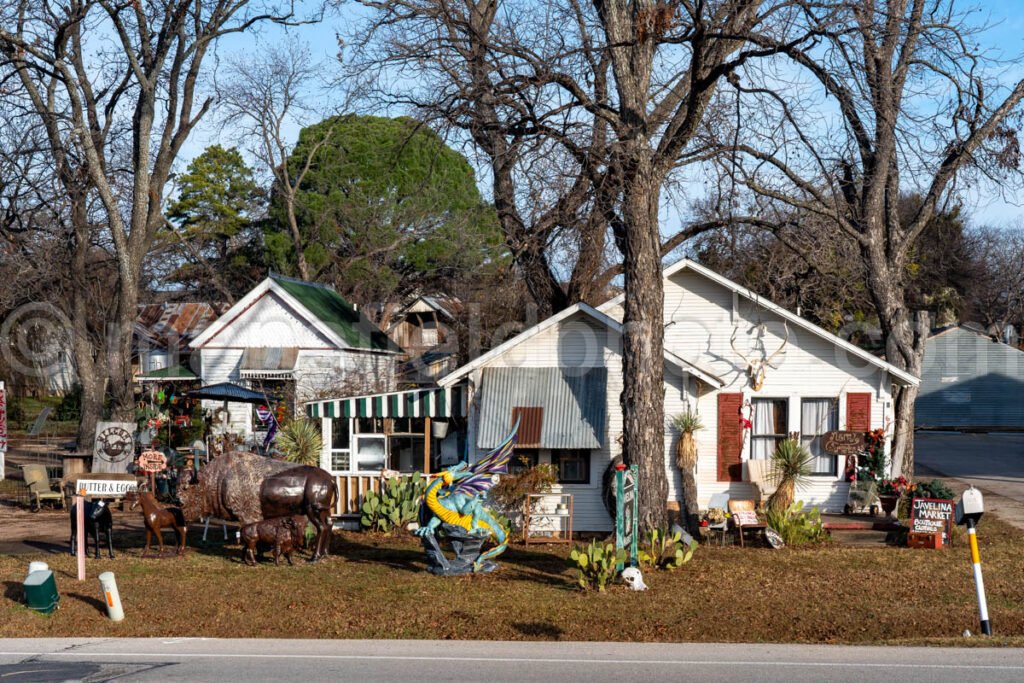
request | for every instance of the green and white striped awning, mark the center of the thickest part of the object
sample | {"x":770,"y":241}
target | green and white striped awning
{"x":444,"y":402}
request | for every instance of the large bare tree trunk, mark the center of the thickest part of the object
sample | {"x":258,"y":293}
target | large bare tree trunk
{"x":643,"y":364}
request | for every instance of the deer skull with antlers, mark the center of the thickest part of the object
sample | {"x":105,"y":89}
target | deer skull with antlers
{"x":757,"y":367}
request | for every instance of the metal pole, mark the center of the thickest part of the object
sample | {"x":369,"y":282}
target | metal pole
{"x":80,"y":532}
{"x":979,"y":583}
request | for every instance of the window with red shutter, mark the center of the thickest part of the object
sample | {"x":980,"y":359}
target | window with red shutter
{"x":858,"y":412}
{"x":730,"y":437}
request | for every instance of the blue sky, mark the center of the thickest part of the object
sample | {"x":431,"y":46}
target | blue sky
{"x":1004,"y":37}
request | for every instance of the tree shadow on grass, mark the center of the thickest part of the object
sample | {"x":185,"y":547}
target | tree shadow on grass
{"x":408,"y":559}
{"x":14,"y":591}
{"x":91,"y":601}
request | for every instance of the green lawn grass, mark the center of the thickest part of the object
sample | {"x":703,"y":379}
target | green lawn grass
{"x":376,"y":587}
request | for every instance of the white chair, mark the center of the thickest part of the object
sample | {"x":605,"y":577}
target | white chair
{"x":759,"y":472}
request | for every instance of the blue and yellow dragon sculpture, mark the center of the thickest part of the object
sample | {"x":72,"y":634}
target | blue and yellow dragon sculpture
{"x":454,"y":502}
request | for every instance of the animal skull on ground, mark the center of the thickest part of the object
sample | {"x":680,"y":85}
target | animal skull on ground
{"x":634,"y":579}
{"x":756,"y":367}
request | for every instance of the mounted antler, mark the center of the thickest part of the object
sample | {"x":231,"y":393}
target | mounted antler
{"x":756,"y":368}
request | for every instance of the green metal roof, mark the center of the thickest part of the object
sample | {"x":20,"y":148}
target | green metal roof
{"x":340,"y":316}
{"x":173,"y":372}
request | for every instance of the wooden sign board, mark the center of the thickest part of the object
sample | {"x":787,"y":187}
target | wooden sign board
{"x":106,"y":488}
{"x":932,"y":516}
{"x":152,"y":461}
{"x":843,"y":443}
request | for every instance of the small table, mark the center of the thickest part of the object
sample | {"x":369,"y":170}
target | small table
{"x":719,"y":529}
{"x":560,"y":534}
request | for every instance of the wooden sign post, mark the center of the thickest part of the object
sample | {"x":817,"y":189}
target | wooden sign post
{"x":930,"y":517}
{"x":152,"y":462}
{"x":627,"y":503}
{"x":80,"y":530}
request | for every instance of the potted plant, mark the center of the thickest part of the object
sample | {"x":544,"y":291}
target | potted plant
{"x":889,"y":493}
{"x":686,"y":460}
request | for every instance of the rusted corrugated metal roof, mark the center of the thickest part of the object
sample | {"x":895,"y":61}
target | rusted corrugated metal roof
{"x":174,"y":323}
{"x":573,"y":400}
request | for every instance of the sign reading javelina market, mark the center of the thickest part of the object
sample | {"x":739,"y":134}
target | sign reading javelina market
{"x":932,"y":516}
{"x":843,"y":443}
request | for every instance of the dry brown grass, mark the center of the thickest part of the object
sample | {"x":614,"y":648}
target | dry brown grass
{"x":377,"y":588}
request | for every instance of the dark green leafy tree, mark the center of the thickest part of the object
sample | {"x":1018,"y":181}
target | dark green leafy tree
{"x":386,"y":208}
{"x":210,"y":233}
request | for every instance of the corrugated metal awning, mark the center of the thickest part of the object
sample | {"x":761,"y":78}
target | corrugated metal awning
{"x":270,"y":362}
{"x":573,"y":403}
{"x":446,"y":402}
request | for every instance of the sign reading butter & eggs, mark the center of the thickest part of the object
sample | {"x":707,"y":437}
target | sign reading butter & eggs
{"x":107,"y":488}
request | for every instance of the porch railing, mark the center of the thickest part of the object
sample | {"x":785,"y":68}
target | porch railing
{"x":352,"y":489}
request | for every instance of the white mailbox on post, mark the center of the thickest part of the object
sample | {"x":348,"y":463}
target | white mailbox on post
{"x":969,"y":507}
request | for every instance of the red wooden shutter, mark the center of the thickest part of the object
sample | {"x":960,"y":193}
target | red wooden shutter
{"x":858,"y":412}
{"x":730,"y":437}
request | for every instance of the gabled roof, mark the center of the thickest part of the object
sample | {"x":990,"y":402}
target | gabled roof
{"x":325,"y":309}
{"x":686,"y":264}
{"x":583,"y":309}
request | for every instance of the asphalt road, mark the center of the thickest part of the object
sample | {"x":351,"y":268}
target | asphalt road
{"x":187,"y":659}
{"x":994,"y":462}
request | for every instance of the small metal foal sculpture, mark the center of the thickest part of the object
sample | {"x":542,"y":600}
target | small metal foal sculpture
{"x":157,"y":517}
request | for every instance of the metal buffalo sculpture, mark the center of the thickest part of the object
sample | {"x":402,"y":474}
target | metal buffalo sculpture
{"x":250,"y":488}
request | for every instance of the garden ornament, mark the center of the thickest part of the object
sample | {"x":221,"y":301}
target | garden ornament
{"x":634,"y":579}
{"x":453,"y":505}
{"x":156,"y":517}
{"x":249,"y":488}
{"x":756,"y":367}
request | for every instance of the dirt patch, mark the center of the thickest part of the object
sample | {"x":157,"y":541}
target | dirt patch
{"x":378,"y":588}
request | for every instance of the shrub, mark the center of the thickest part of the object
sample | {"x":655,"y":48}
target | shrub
{"x":665,"y":550}
{"x":510,"y":493}
{"x":933,"y":489}
{"x":397,"y":504}
{"x":797,"y":526}
{"x":300,"y":442}
{"x":596,"y":564}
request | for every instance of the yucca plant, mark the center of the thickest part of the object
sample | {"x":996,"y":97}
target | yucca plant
{"x":791,"y":468}
{"x":686,"y":459}
{"x":300,"y":442}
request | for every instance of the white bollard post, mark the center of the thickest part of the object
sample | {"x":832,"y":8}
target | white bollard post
{"x":111,"y":597}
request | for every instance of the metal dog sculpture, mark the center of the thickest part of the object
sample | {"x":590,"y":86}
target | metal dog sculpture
{"x":98,"y":520}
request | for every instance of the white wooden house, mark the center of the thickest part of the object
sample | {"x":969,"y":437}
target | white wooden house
{"x":293,"y":339}
{"x":563,"y":378}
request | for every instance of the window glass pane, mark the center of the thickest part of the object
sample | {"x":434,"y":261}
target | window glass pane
{"x":370,"y":453}
{"x":573,"y":466}
{"x":522,"y":460}
{"x":340,"y":433}
{"x":817,"y":416}
{"x":370,"y":425}
{"x":340,"y":461}
{"x":771,"y":422}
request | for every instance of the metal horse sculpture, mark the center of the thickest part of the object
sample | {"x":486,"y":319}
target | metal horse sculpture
{"x":157,"y":518}
{"x":453,"y":504}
